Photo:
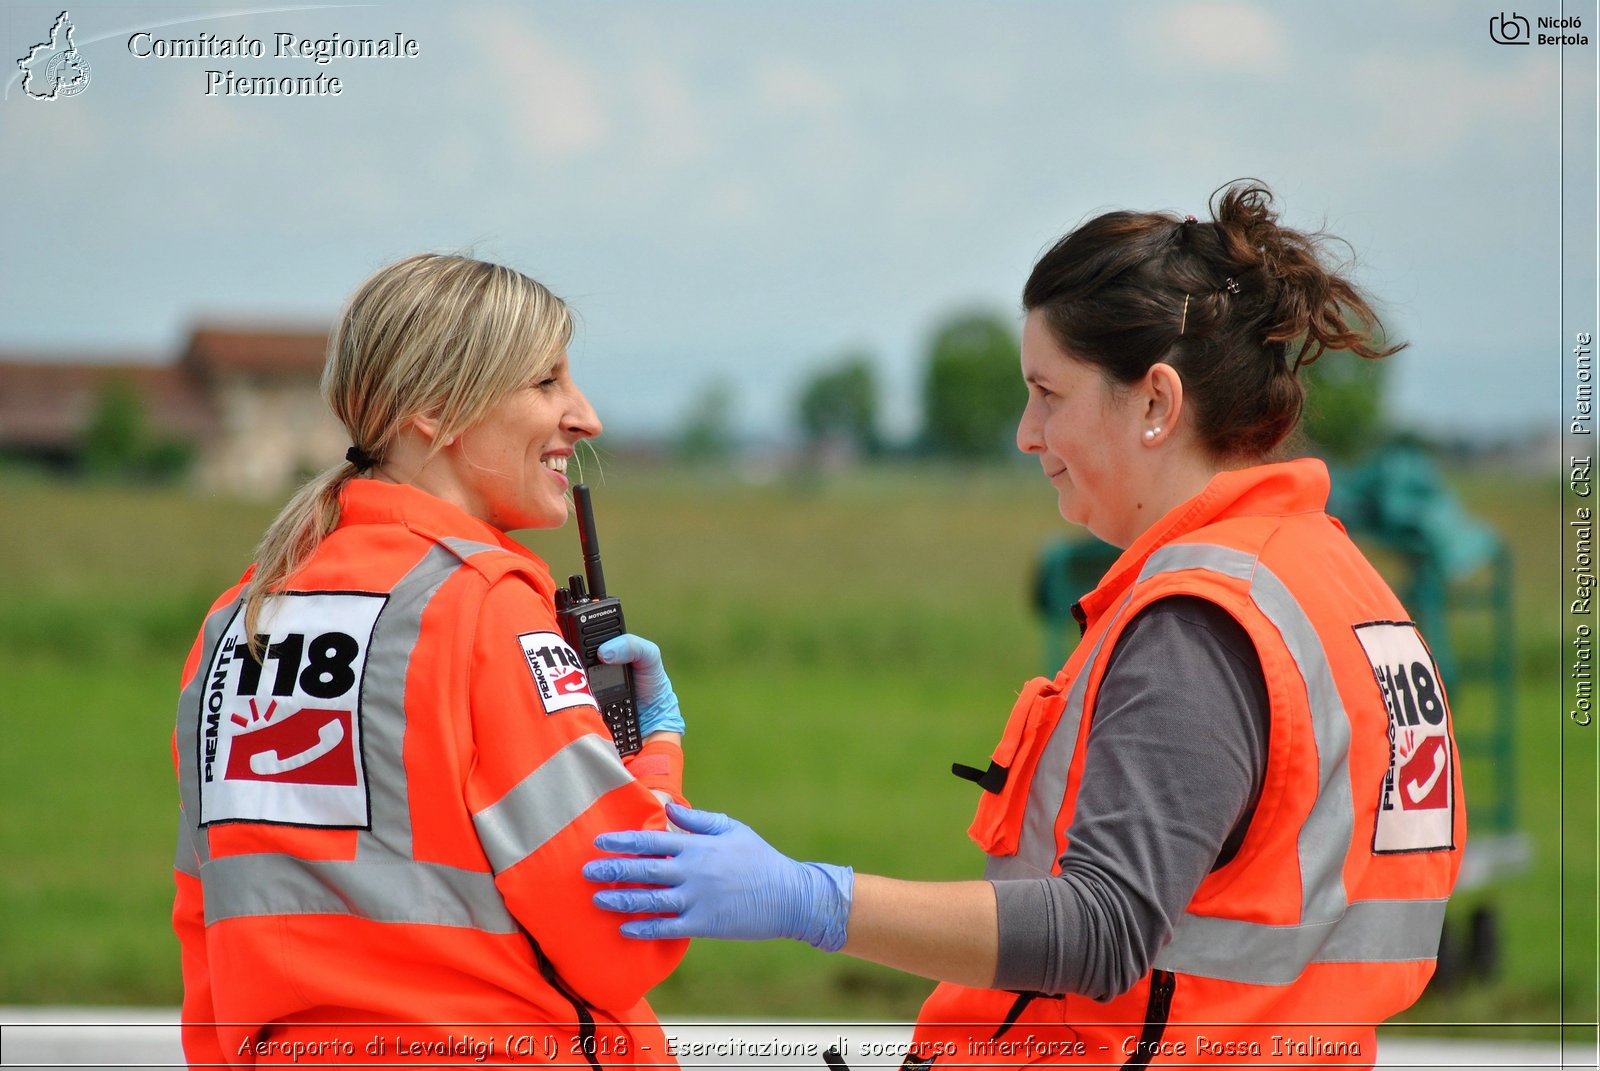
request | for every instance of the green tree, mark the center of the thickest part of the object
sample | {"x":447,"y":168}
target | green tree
{"x":841,"y":403}
{"x":972,"y":392}
{"x":115,"y":442}
{"x":118,"y":444}
{"x":707,"y":433}
{"x":1344,"y":414}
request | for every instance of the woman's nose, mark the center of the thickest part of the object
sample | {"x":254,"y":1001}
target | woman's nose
{"x":581,"y":419}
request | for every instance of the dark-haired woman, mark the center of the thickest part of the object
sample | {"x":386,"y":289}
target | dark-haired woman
{"x":1225,"y":832}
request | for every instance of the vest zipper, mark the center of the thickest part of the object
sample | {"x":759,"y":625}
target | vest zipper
{"x":1017,"y":1006}
{"x":1156,"y":1012}
{"x":585,"y":1017}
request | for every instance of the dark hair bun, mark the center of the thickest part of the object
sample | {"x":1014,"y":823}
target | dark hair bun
{"x":1311,"y":303}
{"x":1222,"y":302}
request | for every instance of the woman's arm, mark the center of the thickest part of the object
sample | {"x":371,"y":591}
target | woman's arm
{"x":944,"y":930}
{"x":541,"y":780}
{"x":1175,"y":761}
{"x":720,"y":879}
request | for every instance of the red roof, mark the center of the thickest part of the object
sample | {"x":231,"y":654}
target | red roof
{"x":230,"y":349}
{"x":51,"y":403}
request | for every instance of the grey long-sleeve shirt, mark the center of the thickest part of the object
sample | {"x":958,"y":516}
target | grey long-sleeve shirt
{"x":1176,"y":757}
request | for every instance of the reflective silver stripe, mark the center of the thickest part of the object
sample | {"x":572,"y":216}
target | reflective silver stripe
{"x":466,"y":548}
{"x":383,"y":700}
{"x":1325,"y":837}
{"x":383,"y":705}
{"x":1036,"y":844}
{"x":1385,"y":931}
{"x":1331,"y":928}
{"x":185,"y":861}
{"x":191,"y":714}
{"x":545,"y":802}
{"x":1368,"y":931}
{"x":244,"y":886}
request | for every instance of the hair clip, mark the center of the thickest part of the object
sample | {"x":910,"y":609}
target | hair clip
{"x":1231,"y":285}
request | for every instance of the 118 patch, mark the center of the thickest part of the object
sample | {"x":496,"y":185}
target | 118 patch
{"x":557,"y":671}
{"x":1416,"y":811}
{"x":280,"y":738}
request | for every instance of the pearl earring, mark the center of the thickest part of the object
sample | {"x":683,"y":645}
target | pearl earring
{"x":1151,"y":433}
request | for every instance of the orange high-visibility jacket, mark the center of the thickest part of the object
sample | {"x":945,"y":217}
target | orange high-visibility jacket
{"x":384,"y":820}
{"x":1327,"y":920}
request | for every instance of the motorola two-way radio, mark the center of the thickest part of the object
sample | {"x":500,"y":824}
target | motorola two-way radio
{"x":590,"y":617}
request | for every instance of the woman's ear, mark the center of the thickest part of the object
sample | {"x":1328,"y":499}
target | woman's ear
{"x":1163,"y":401}
{"x":427,"y":426}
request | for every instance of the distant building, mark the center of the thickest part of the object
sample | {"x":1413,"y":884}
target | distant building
{"x":246,"y":399}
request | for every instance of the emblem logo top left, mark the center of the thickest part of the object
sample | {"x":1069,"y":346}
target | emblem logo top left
{"x":54,"y":68}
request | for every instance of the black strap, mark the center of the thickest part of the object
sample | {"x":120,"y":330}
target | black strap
{"x":1156,"y":1011}
{"x":586,"y":1037}
{"x":913,"y":1063}
{"x":1017,"y":1008}
{"x":991,"y":780}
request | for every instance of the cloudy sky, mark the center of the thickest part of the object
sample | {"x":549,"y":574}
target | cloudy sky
{"x":740,"y":191}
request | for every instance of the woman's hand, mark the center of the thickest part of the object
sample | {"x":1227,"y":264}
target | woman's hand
{"x":720,"y":879}
{"x":658,"y":704}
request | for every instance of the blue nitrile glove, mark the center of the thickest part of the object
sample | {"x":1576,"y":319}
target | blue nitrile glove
{"x":720,"y":879}
{"x":658,"y":704}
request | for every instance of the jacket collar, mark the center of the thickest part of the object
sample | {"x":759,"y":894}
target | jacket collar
{"x":363,"y":501}
{"x":1299,"y":486}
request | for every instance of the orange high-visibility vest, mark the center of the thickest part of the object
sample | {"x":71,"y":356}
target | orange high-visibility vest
{"x":384,"y":820}
{"x":1327,"y":920}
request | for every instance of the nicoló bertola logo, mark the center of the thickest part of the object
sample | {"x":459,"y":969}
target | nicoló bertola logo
{"x":54,"y":68}
{"x":1514,"y":29}
{"x":318,"y":51}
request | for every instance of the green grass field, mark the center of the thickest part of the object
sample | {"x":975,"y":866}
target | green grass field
{"x":836,"y":645}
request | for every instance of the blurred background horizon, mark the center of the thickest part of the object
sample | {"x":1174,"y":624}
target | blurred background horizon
{"x":732,"y":196}
{"x":795,"y":236}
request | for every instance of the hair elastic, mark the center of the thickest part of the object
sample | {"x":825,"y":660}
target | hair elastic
{"x":360,"y":459}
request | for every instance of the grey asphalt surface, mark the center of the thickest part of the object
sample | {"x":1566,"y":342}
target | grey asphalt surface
{"x":117,"y":1038}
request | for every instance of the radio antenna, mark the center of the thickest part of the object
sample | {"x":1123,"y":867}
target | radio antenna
{"x":589,"y":541}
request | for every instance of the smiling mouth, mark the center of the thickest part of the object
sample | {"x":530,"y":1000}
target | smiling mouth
{"x":555,"y":463}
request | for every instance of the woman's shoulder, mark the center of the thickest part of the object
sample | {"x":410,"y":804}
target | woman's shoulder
{"x":498,"y":563}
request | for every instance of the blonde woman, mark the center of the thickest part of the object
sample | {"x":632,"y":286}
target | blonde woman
{"x":391,"y":768}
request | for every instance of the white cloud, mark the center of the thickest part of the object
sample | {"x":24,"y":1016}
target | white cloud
{"x":787,"y":85}
{"x":1217,"y":36}
{"x":554,"y":100}
{"x":1429,"y":107}
{"x":674,"y":129}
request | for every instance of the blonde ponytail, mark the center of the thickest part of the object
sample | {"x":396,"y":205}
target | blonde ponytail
{"x":433,"y":333}
{"x":290,"y":539}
